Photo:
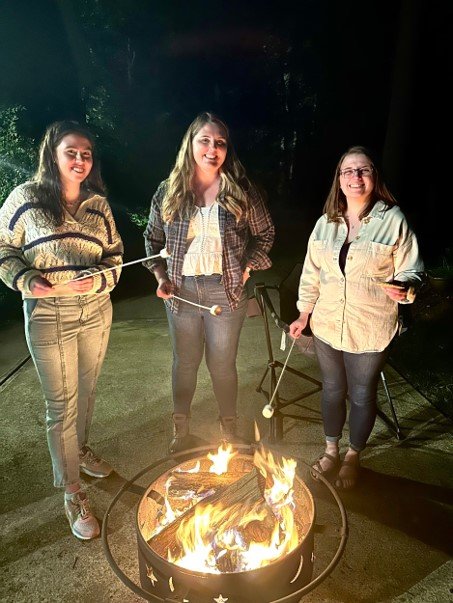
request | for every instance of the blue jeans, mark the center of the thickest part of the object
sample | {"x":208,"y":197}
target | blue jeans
{"x":349,"y":375}
{"x":67,"y":338}
{"x":195,"y":331}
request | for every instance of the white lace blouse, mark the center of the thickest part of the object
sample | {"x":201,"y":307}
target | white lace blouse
{"x":204,"y":244}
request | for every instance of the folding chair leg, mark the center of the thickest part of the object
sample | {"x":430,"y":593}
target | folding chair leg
{"x":395,"y":426}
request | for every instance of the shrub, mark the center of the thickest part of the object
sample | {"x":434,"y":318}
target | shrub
{"x":17,"y":152}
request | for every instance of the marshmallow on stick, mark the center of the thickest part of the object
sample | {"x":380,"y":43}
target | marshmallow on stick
{"x":214,"y":310}
{"x":269,"y":408}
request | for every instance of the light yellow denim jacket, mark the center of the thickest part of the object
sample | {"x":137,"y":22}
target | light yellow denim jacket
{"x":350,"y":311}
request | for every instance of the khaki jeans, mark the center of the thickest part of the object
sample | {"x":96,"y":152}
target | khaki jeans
{"x":67,"y":338}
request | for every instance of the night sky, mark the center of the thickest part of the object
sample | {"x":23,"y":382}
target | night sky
{"x":297,"y":82}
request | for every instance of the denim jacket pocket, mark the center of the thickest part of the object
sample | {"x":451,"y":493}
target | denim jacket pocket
{"x":380,"y":260}
{"x":319,"y":248}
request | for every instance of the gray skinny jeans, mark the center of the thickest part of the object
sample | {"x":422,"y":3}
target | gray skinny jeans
{"x":195,"y":331}
{"x":349,"y":375}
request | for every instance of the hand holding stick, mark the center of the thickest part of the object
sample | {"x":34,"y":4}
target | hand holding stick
{"x":397,"y":292}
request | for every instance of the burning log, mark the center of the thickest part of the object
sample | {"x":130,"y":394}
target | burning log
{"x":248,"y":487}
{"x":182,"y":482}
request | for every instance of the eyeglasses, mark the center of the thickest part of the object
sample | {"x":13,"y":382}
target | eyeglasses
{"x":349,"y":172}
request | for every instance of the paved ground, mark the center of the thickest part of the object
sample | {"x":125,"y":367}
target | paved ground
{"x":399,"y":545}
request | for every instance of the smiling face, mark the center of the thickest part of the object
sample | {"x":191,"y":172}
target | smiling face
{"x":209,"y":147}
{"x":74,"y":158}
{"x":356,"y":176}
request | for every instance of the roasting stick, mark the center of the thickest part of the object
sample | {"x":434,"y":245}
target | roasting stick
{"x":163,"y":254}
{"x":214,"y":310}
{"x":268,"y":410}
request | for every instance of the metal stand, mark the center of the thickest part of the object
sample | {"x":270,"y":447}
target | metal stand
{"x":276,"y":421}
{"x":395,"y":426}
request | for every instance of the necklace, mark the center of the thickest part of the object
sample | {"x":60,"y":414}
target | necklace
{"x":353,"y":224}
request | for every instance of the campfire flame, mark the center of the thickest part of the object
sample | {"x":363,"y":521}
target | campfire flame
{"x":221,"y":460}
{"x":219,"y":538}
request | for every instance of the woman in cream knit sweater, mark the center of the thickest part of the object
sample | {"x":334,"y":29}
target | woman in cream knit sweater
{"x":54,"y":229}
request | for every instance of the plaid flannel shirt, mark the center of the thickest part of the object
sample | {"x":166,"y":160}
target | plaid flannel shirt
{"x":246,"y":242}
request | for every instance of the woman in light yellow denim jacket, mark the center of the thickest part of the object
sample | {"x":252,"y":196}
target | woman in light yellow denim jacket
{"x":362,"y":261}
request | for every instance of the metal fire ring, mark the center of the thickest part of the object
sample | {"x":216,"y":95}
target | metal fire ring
{"x":201,"y":449}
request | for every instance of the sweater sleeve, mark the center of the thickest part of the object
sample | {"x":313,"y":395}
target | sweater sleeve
{"x":15,"y":271}
{"x":112,"y":251}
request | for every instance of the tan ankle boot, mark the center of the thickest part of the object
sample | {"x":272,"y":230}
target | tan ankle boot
{"x":181,"y":436}
{"x":228,"y":431}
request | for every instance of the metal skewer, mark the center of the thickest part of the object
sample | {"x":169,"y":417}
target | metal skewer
{"x":269,"y":409}
{"x":214,"y":310}
{"x":162,"y":254}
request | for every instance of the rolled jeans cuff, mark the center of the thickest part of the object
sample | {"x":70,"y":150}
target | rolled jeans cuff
{"x":333,"y":438}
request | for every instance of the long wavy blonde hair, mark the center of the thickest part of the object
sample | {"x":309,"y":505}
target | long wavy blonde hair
{"x":336,"y":205}
{"x":235,"y":187}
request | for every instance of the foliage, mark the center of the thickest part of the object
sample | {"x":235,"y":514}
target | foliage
{"x":139,"y":217}
{"x":17,"y":152}
{"x":99,"y":110}
{"x":445,"y":268}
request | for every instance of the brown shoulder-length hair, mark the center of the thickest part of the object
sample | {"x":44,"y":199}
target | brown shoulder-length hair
{"x":46,"y":183}
{"x":235,"y":186}
{"x":335,"y":205}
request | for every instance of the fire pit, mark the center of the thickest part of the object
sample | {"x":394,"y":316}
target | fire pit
{"x":226,"y":526}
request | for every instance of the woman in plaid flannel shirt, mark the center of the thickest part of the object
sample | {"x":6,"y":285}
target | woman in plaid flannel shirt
{"x":216,"y":229}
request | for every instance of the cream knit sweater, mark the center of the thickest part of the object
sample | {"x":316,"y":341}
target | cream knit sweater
{"x":30,"y":246}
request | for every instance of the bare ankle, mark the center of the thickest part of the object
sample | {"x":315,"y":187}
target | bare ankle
{"x":332,"y":448}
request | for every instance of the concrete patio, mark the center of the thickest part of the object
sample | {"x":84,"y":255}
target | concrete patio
{"x":399,"y":547}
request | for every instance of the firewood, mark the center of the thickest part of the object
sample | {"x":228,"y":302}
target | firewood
{"x":198,"y":482}
{"x":260,"y":531}
{"x":247,"y":487}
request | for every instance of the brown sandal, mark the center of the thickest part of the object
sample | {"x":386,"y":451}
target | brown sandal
{"x":316,"y":468}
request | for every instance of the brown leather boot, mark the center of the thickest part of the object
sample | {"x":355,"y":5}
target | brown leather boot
{"x":181,"y":436}
{"x":228,"y":431}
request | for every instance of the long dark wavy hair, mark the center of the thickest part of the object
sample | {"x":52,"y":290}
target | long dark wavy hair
{"x":46,"y":185}
{"x":235,"y":186}
{"x":336,"y":204}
